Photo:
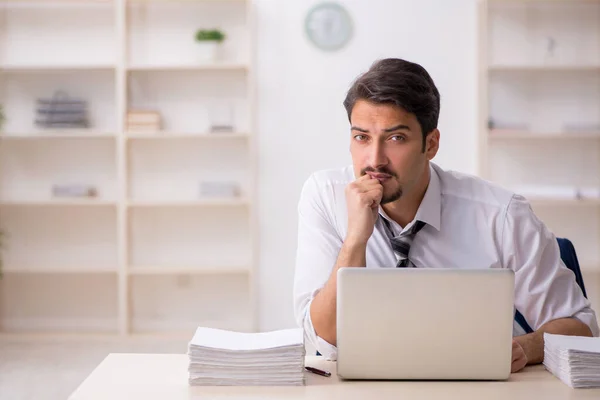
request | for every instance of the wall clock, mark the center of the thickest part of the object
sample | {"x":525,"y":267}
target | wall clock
{"x":328,"y":26}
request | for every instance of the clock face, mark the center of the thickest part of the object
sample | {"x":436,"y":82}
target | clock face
{"x":328,"y":26}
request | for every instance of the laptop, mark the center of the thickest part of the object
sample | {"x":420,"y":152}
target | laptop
{"x":424,"y":324}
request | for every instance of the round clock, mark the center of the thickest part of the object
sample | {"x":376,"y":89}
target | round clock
{"x":328,"y":26}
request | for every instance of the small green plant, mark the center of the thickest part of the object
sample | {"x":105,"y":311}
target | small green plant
{"x":204,"y":35}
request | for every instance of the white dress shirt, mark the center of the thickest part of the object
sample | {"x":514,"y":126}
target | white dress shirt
{"x":470,"y":223}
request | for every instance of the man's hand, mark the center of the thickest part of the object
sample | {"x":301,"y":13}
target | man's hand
{"x":519,"y":358}
{"x":363,"y":197}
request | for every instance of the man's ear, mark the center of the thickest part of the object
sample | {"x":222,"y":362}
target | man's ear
{"x":432,"y":144}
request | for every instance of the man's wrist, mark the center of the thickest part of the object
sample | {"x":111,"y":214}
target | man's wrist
{"x":532,"y":343}
{"x":355,"y":243}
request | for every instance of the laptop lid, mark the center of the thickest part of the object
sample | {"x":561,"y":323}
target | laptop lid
{"x":413,"y":323}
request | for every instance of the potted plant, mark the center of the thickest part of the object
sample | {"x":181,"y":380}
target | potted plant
{"x":208,"y":41}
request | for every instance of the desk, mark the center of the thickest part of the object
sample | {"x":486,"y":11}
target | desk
{"x":164,"y":376}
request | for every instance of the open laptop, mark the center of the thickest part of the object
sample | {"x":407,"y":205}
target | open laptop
{"x":418,"y":324}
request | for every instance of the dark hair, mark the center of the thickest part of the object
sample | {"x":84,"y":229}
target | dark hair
{"x":399,"y":82}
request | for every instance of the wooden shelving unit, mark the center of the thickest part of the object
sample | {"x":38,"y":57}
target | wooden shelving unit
{"x":539,"y":80}
{"x":149,"y":254}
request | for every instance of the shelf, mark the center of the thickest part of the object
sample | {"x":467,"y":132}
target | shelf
{"x":57,"y":134}
{"x":58,"y":203}
{"x":57,"y":270}
{"x":499,"y":134}
{"x":189,"y":67}
{"x":541,"y":68}
{"x":192,"y":203}
{"x":188,"y":270}
{"x":34,"y":68}
{"x":548,"y":201}
{"x":14,"y":4}
{"x":175,"y":135}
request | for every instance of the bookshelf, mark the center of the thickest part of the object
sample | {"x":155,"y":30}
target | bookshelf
{"x":539,"y":120}
{"x":150,"y":253}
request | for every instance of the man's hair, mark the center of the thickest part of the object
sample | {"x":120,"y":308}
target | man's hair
{"x":402,"y":83}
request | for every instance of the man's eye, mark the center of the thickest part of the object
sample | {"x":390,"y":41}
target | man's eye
{"x":360,"y":138}
{"x":398,"y":138}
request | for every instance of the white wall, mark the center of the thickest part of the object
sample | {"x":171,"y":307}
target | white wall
{"x":302,"y":123}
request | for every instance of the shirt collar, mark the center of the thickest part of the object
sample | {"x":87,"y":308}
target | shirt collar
{"x":430,"y":209}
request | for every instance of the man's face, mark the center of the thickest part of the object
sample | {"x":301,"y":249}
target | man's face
{"x":386,"y":142}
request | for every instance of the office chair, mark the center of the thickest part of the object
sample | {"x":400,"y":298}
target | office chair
{"x":569,"y":257}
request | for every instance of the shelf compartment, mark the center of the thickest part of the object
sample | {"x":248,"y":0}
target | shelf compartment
{"x":162,"y":31}
{"x":190,"y":101}
{"x":21,"y":91}
{"x":182,"y":303}
{"x":70,"y":34}
{"x":545,"y":102}
{"x":516,"y":164}
{"x":62,"y":303}
{"x":172,"y":171}
{"x":163,"y":237}
{"x":59,"y":238}
{"x":29,"y":169}
{"x":520,"y":32}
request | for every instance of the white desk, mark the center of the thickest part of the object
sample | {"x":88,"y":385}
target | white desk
{"x":164,"y":376}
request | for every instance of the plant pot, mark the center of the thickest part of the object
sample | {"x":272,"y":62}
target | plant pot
{"x":207,"y":50}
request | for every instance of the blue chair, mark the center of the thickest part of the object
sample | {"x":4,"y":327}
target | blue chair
{"x":569,"y":257}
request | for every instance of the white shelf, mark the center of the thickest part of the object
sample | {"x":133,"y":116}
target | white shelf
{"x":57,"y":134}
{"x":58,"y":203}
{"x":216,"y":202}
{"x":133,"y":270}
{"x":188,"y":67}
{"x":7,"y":269}
{"x":176,"y":135}
{"x":37,"y":68}
{"x":547,"y":201}
{"x":543,"y":68}
{"x":498,"y":134}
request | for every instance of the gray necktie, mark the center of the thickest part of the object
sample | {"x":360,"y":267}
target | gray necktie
{"x":401,"y":244}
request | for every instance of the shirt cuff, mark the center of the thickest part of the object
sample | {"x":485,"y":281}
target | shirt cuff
{"x":325,"y":348}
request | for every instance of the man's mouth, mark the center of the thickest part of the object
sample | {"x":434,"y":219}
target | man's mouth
{"x":379,"y":176}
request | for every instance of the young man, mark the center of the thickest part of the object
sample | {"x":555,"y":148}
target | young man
{"x":394,"y":207}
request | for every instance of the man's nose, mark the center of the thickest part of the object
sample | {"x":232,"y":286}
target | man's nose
{"x":377,"y":156}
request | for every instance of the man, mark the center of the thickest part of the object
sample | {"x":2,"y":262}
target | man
{"x":435,"y":218}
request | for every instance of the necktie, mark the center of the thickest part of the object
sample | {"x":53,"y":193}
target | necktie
{"x":401,"y":244}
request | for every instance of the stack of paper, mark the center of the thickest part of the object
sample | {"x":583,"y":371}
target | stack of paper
{"x":575,"y":360}
{"x":226,"y":358}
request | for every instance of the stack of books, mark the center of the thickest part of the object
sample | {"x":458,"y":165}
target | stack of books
{"x":575,"y":360}
{"x":61,"y":111}
{"x":143,"y":121}
{"x":226,"y":358}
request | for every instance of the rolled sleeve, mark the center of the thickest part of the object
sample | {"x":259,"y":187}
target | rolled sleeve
{"x":545,"y":289}
{"x":318,"y":247}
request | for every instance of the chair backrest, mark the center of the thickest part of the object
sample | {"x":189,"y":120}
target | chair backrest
{"x":569,"y":257}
